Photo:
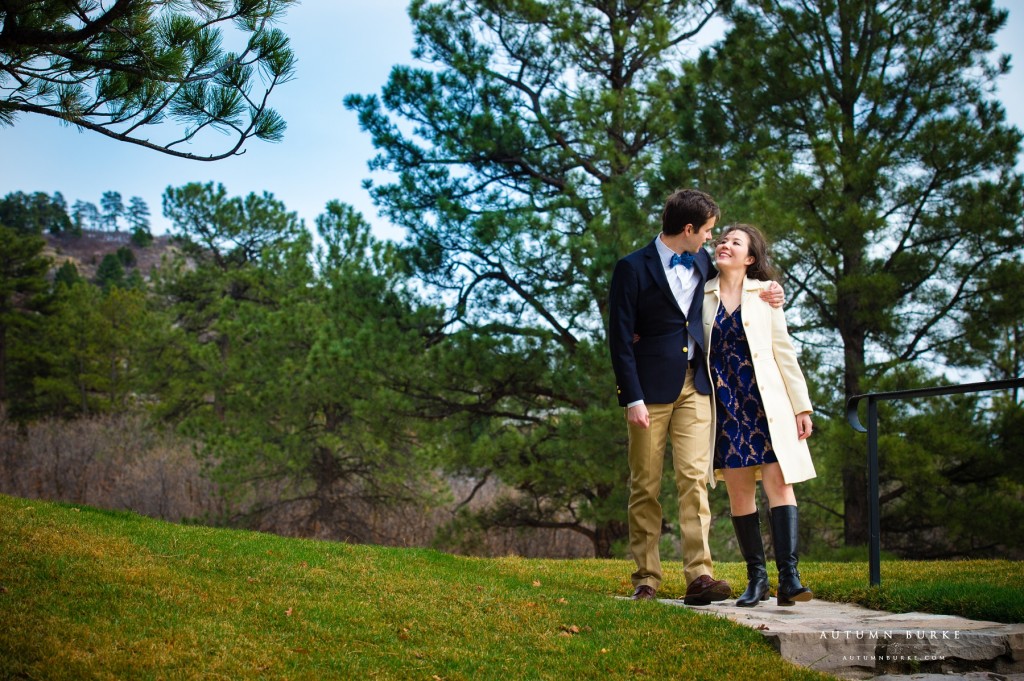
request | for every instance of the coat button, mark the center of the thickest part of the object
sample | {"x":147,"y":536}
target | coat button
{"x":686,"y":349}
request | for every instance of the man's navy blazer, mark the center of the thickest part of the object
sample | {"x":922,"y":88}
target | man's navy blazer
{"x":641,"y":302}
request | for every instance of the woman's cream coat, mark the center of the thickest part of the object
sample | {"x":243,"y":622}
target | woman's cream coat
{"x":778,"y":374}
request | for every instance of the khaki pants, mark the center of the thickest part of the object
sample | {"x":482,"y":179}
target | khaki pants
{"x":688,"y":422}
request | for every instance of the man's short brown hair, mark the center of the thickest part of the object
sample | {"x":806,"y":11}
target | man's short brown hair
{"x":687,"y":207}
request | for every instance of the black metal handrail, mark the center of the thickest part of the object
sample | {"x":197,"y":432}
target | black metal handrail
{"x":874,"y":511}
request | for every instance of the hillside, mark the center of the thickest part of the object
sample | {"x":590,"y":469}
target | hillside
{"x":87,"y":251}
{"x":90,"y":594}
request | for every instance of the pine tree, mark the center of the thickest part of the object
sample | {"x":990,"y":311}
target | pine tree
{"x":864,"y":137}
{"x":122,"y":68}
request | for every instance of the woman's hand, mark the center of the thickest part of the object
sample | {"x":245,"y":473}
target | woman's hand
{"x":804,"y":425}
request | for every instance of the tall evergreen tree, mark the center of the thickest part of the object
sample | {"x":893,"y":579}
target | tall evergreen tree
{"x":66,"y":275}
{"x":85,"y":215}
{"x":290,"y":373}
{"x":994,"y":324}
{"x":68,"y":376}
{"x":865,"y":137}
{"x":110,"y":272}
{"x":137,"y":216}
{"x":91,"y":351}
{"x":23,"y":269}
{"x":524,"y":155}
{"x":112,"y":207}
{"x":222,"y":239}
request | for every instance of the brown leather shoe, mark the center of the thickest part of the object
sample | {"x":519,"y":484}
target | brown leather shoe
{"x":705,"y":589}
{"x":643,"y":593}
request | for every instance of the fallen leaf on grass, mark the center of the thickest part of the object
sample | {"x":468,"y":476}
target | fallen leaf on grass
{"x":571,"y":629}
{"x":536,"y":582}
{"x":562,"y":600}
{"x":288,"y":612}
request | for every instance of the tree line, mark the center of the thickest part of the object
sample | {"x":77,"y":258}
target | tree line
{"x":320,"y":380}
{"x":530,"y":150}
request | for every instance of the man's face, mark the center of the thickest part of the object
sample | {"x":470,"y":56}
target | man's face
{"x":697,"y":237}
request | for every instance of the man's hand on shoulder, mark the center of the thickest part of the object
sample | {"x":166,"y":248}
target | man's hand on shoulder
{"x":774,"y":295}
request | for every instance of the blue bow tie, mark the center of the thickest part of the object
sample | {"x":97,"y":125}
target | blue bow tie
{"x":684,"y":259}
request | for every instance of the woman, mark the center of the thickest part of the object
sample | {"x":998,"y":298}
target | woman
{"x":762,"y":411}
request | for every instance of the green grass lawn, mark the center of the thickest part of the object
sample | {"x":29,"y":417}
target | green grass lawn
{"x":93,"y":594}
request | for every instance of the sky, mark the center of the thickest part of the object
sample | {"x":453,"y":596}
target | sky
{"x":342,"y":47}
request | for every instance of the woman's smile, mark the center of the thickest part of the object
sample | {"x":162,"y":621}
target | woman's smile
{"x":732,"y":248}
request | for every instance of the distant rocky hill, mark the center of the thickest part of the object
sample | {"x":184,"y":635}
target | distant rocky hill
{"x":87,"y":251}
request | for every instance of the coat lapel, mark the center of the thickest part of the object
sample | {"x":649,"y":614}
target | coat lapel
{"x":710,"y":309}
{"x":657,"y":270}
{"x":751,"y":290}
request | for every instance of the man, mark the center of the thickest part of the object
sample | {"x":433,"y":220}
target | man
{"x":663,"y":381}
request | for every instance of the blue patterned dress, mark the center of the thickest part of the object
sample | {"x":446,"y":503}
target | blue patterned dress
{"x":742,"y":439}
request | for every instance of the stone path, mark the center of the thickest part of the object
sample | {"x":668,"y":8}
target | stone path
{"x":854,"y":642}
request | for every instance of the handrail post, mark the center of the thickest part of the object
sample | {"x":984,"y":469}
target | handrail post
{"x":874,"y":511}
{"x":874,"y":502}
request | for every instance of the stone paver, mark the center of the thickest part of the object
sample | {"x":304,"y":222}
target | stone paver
{"x":857,"y":643}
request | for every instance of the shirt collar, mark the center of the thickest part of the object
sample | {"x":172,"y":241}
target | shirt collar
{"x":664,"y":252}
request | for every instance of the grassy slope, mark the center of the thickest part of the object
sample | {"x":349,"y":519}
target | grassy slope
{"x":94,"y":594}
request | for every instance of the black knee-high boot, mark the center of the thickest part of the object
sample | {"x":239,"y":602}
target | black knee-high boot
{"x":748,"y":534}
{"x":784,"y":536}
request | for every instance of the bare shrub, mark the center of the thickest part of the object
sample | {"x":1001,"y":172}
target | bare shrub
{"x":456,"y":532}
{"x":348,"y":516}
{"x":121,"y":462}
{"x":114,"y":461}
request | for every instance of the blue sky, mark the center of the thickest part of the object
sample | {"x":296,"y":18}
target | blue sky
{"x":343,"y":47}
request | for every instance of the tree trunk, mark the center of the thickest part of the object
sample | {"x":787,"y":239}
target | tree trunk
{"x":607,"y":534}
{"x":3,"y":364}
{"x":855,"y":504}
{"x":854,"y":472}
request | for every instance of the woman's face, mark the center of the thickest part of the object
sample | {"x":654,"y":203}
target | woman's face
{"x":732,"y":251}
